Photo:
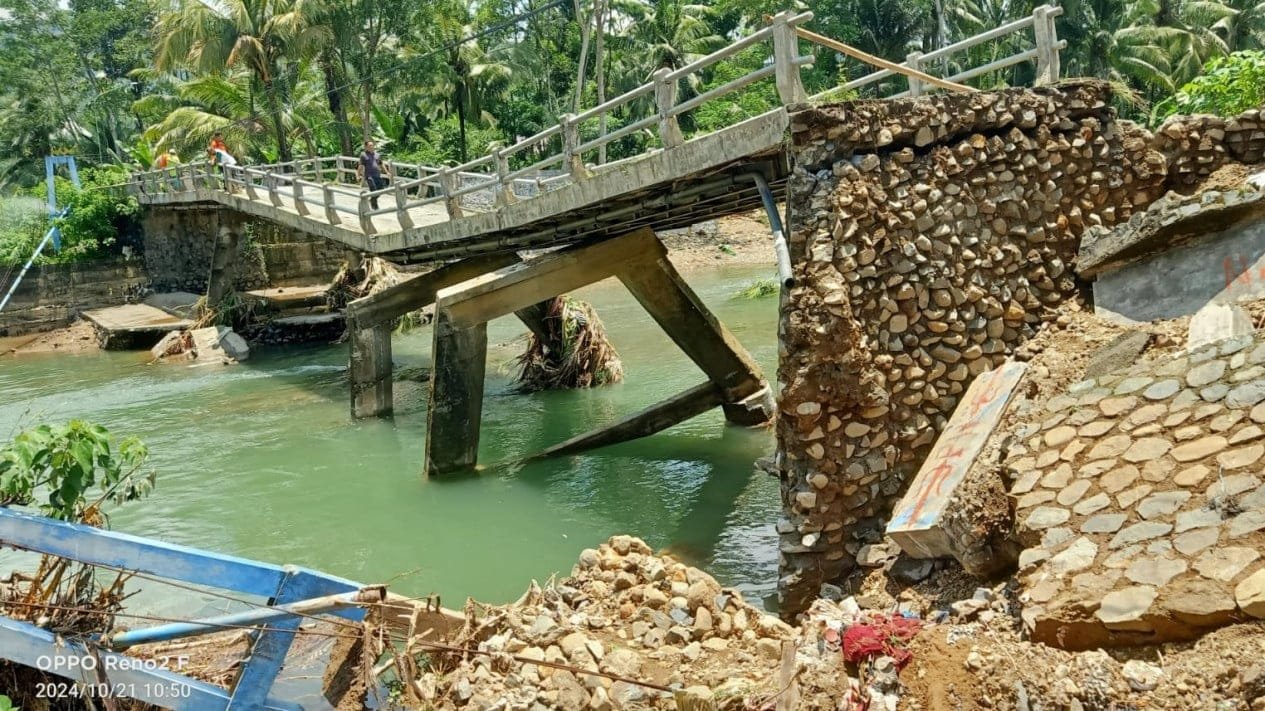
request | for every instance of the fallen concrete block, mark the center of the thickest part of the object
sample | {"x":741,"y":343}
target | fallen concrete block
{"x":1217,"y":322}
{"x":219,"y":343}
{"x":917,"y":523}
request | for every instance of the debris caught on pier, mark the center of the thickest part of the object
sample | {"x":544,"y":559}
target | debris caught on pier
{"x":577,"y":353}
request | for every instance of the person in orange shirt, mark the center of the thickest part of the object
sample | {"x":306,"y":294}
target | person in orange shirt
{"x":217,"y":143}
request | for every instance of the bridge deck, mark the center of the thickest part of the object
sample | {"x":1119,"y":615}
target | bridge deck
{"x":697,"y":180}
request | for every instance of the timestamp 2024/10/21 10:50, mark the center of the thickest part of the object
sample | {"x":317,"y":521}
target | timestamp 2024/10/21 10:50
{"x":114,"y":690}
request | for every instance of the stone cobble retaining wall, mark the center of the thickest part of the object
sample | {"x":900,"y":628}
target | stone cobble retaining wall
{"x":1196,"y":146}
{"x":51,"y":295}
{"x":179,"y":243}
{"x":1140,"y":499}
{"x":930,"y":237}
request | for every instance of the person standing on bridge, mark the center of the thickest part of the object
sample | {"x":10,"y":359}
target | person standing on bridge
{"x":370,"y":171}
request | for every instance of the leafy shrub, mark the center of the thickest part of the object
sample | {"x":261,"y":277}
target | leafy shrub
{"x":63,"y":465}
{"x":1229,"y":85}
{"x":102,"y":218}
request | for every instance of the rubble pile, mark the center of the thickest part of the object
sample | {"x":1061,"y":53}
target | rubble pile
{"x":651,"y":630}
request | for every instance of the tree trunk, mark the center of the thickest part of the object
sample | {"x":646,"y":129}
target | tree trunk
{"x":334,"y":95}
{"x":461,"y":118}
{"x":585,"y":33}
{"x":283,"y":145}
{"x":601,"y":72}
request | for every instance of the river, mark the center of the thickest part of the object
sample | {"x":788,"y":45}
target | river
{"x":263,"y":460}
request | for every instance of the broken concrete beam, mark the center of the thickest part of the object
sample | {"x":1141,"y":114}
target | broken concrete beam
{"x":657,"y":417}
{"x":1217,"y":322}
{"x":1119,"y":354}
{"x":916,"y":523}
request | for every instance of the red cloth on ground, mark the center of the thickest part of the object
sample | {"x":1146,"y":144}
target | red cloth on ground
{"x":881,"y":635}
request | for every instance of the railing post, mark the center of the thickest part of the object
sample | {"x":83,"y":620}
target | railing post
{"x":785,"y":53}
{"x":366,"y":220}
{"x":401,"y":205}
{"x":665,"y":101}
{"x":191,"y":183}
{"x":913,"y":60}
{"x":570,"y":148}
{"x":331,"y":215}
{"x":505,"y":186}
{"x":1047,"y":44}
{"x":448,"y":183}
{"x":274,"y":196}
{"x":300,"y":206}
{"x":249,"y":181}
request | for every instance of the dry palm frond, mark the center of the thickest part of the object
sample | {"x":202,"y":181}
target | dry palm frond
{"x":577,"y":353}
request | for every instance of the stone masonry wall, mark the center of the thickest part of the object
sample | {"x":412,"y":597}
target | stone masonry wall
{"x":179,"y":243}
{"x":1140,"y":501}
{"x":930,"y":237}
{"x":51,"y":295}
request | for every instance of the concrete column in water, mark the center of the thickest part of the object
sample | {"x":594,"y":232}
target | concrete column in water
{"x":456,"y":394}
{"x":370,"y":370}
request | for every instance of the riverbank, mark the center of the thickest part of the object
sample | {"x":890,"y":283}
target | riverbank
{"x":728,"y":241}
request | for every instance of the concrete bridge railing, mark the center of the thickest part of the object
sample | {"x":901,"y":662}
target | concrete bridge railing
{"x":325,"y":190}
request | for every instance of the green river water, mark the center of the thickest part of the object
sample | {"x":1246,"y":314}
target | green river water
{"x":263,"y":460}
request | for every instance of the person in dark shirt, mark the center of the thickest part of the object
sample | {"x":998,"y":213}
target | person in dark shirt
{"x":370,"y":171}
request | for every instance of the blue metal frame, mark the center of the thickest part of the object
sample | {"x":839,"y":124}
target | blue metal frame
{"x":30,"y":645}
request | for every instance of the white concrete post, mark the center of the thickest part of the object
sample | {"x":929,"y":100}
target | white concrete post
{"x":331,"y":215}
{"x":913,"y":60}
{"x":300,"y":205}
{"x":505,"y":187}
{"x":572,"y":159}
{"x":401,"y":205}
{"x":274,"y":196}
{"x":448,"y":183}
{"x":366,"y":220}
{"x":665,"y":101}
{"x":249,"y":181}
{"x":1047,"y":45}
{"x":785,"y":52}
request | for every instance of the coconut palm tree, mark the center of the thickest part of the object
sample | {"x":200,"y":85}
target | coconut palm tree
{"x":256,"y":35}
{"x":1118,"y":41}
{"x":466,"y":76}
{"x":665,"y":34}
{"x":1239,"y":23}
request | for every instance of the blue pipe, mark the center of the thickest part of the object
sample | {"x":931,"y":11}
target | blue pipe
{"x":54,"y":234}
{"x":250,"y":618}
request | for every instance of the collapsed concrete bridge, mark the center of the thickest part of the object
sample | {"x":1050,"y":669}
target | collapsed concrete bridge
{"x":600,"y":221}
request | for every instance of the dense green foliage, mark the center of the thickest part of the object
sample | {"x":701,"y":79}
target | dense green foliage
{"x":118,"y":81}
{"x":102,"y":219}
{"x":71,"y":469}
{"x":1230,"y":85}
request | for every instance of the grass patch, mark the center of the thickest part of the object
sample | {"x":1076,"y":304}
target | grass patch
{"x":758,"y":289}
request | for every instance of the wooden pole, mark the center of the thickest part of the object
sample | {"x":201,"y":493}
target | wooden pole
{"x":879,"y":62}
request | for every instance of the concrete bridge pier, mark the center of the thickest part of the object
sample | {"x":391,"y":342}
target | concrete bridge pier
{"x":637,"y":259}
{"x":371,"y":320}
